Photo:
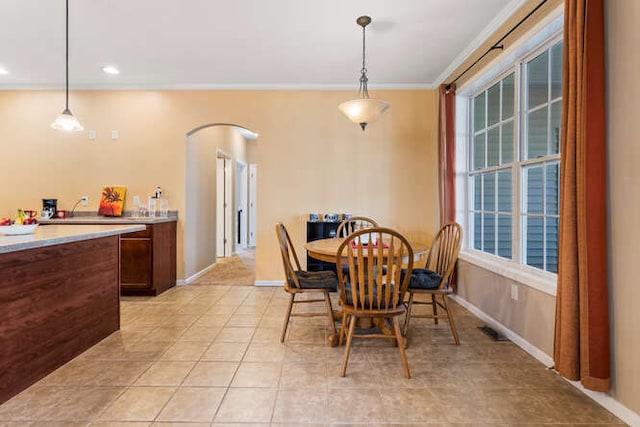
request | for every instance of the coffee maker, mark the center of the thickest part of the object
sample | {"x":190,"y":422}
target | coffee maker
{"x":49,"y":208}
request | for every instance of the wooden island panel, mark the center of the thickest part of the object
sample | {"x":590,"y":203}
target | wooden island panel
{"x":55,"y":302}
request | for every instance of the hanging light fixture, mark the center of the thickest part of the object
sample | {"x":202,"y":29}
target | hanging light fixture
{"x":363,"y":110}
{"x":66,"y":121}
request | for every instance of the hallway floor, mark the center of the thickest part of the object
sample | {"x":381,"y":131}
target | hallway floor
{"x":202,"y":355}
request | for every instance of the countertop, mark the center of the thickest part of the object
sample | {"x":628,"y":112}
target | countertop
{"x":49,"y":235}
{"x":95,"y":219}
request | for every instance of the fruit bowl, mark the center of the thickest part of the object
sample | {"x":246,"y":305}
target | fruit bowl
{"x":14,"y":230}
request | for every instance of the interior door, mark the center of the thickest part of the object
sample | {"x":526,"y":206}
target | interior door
{"x":228,"y":207}
{"x":242,"y":184}
{"x":253,"y":191}
{"x":220,"y":210}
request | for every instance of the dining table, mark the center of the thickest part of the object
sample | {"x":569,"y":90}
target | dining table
{"x":327,"y":249}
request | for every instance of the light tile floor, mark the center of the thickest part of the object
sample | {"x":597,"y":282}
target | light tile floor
{"x":211,"y":356}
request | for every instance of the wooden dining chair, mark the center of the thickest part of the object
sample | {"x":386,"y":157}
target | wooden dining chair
{"x":354,"y":223}
{"x":433,"y":280}
{"x":373,"y":287}
{"x":349,"y":225}
{"x":298,"y":281}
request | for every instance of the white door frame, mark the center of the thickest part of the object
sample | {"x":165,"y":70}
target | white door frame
{"x":242,"y":196}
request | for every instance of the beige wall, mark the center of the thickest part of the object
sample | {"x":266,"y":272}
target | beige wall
{"x":200,"y":220}
{"x":532,"y":316}
{"x":310,"y":157}
{"x":623,"y":63}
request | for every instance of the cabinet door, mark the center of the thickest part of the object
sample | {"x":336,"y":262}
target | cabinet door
{"x":164,"y":256}
{"x":135,"y":264}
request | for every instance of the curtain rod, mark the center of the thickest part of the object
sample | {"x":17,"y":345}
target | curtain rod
{"x":497,"y":44}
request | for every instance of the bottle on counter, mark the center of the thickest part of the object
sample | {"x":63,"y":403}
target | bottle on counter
{"x":164,"y":207}
{"x":151,"y":209}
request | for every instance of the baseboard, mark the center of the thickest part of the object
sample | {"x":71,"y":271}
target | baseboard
{"x":267,"y":283}
{"x":195,"y":276}
{"x":610,"y":404}
{"x":603,"y":399}
{"x":534,"y":351}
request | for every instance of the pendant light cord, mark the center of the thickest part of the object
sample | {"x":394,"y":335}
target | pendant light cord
{"x":67,"y":56}
{"x":363,"y":90}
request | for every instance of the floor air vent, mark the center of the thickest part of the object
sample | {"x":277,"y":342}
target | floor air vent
{"x":492,"y":333}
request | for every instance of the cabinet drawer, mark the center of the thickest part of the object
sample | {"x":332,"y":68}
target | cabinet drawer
{"x":146,"y":233}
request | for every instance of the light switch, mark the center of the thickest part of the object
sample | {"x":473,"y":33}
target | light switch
{"x":114,"y":134}
{"x":92,"y":135}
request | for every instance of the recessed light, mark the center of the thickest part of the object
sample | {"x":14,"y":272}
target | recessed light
{"x":110,"y":69}
{"x":3,"y":71}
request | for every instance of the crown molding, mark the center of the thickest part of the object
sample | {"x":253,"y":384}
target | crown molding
{"x":190,"y":86}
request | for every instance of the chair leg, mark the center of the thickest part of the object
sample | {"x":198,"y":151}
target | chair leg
{"x":343,"y":327}
{"x":286,"y":318}
{"x":408,"y":314}
{"x":452,"y":324}
{"x":435,"y":308}
{"x":347,"y":349}
{"x":333,"y":339}
{"x":403,"y":355}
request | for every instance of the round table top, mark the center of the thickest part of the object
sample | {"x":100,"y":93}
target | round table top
{"x":326,"y":249}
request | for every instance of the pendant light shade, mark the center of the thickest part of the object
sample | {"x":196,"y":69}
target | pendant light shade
{"x":364,"y":110}
{"x":66,"y":121}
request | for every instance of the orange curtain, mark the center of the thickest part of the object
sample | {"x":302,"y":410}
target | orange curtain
{"x":581,"y":347}
{"x":447,"y":159}
{"x":447,"y":153}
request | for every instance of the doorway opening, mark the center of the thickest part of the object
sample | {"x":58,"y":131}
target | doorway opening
{"x":219,"y":199}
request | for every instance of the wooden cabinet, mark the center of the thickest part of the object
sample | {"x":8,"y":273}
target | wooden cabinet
{"x":320,"y":230}
{"x":148,"y":260}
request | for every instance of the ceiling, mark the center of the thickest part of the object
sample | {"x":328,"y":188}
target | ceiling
{"x":241,"y":44}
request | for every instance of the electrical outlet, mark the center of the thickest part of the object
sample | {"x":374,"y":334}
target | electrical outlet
{"x":84,"y":201}
{"x":514,"y":292}
{"x":136,"y":200}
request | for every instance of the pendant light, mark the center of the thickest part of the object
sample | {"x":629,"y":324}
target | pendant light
{"x":66,"y":121}
{"x":363,"y":110}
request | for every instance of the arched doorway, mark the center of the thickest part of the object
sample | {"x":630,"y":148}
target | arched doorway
{"x":210,"y":148}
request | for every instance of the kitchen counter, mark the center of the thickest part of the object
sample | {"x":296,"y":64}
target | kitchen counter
{"x":48,"y":235}
{"x":95,"y":219}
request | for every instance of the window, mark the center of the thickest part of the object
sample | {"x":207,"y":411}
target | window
{"x":492,"y":168}
{"x":514,"y":162}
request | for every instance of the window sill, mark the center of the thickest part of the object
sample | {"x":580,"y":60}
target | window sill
{"x":529,"y":276}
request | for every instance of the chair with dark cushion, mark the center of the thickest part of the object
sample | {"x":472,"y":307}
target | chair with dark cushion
{"x":372,"y":287}
{"x":298,"y":281}
{"x":433,"y":281}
